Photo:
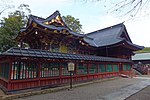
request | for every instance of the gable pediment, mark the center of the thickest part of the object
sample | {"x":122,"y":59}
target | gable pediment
{"x":56,"y":21}
{"x":124,"y":34}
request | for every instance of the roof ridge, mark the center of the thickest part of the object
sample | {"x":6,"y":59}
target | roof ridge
{"x":120,"y":24}
{"x":33,"y":17}
{"x":53,"y":15}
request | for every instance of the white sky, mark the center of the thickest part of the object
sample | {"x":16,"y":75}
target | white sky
{"x":92,"y":15}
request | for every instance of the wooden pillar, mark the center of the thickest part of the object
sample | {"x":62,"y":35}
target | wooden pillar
{"x":88,"y":70}
{"x":105,"y":70}
{"x":131,"y":70}
{"x":39,"y":70}
{"x":10,"y":73}
{"x":98,"y":68}
{"x":112,"y":67}
{"x":21,"y":44}
{"x":121,"y":67}
{"x":0,"y":69}
{"x":60,"y":72}
{"x":75,"y":72}
{"x":19,"y":69}
{"x":118,"y":70}
{"x":60,"y":69}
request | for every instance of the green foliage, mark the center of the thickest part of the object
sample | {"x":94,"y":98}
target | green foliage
{"x":146,"y":49}
{"x":72,"y":23}
{"x":10,"y":27}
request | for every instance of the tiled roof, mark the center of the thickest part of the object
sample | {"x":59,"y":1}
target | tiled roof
{"x":105,"y":37}
{"x":101,"y":38}
{"x":40,"y":21}
{"x":141,"y":56}
{"x":109,"y":36}
{"x":55,"y":55}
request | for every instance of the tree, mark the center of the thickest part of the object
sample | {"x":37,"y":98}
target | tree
{"x":10,"y":27}
{"x":72,"y":23}
{"x":146,"y":49}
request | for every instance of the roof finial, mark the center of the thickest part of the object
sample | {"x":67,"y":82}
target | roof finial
{"x":123,"y":22}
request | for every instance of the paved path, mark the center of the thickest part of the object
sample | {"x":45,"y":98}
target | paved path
{"x":125,"y":92}
{"x":141,"y":95}
{"x":109,"y":90}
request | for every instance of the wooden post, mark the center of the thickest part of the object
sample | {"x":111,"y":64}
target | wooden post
{"x":75,"y":71}
{"x":60,"y":72}
{"x":88,"y":70}
{"x":19,"y":69}
{"x":98,"y":68}
{"x":10,"y":73}
{"x":39,"y":70}
{"x":112,"y":69}
{"x":21,"y":44}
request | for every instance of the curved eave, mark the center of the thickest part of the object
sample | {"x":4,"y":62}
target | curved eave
{"x":50,"y":27}
{"x":23,"y":32}
{"x":132,"y":46}
{"x":118,"y":42}
{"x":65,"y":27}
{"x":20,"y":34}
{"x":59,"y":28}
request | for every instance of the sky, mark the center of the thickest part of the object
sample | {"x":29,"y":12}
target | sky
{"x":92,"y":15}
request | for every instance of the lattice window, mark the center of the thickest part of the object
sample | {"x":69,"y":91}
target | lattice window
{"x":49,"y":69}
{"x":65,"y":69}
{"x":109,"y":68}
{"x":124,"y":67}
{"x":102,"y":68}
{"x":24,"y":70}
{"x":82,"y":68}
{"x":4,"y":70}
{"x":115,"y":66}
{"x":93,"y":68}
{"x":128,"y":67}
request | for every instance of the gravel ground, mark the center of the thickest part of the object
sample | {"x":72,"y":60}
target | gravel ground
{"x":96,"y":91}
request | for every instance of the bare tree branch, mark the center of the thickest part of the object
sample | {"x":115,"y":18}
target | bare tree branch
{"x":5,"y":9}
{"x":125,"y":7}
{"x":4,"y":5}
{"x":130,"y":7}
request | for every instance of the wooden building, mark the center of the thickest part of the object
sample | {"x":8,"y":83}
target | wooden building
{"x":142,"y":62}
{"x":51,"y":45}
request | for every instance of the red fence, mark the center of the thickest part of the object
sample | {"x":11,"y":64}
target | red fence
{"x":30,"y":83}
{"x":30,"y":74}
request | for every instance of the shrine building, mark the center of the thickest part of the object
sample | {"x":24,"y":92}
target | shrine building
{"x":47,"y":45}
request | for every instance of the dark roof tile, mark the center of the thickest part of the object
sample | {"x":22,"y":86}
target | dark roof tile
{"x":105,"y":37}
{"x":110,"y":36}
{"x":45,"y":54}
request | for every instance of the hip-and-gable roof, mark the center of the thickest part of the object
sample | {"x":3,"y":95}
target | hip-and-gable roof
{"x":110,"y":36}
